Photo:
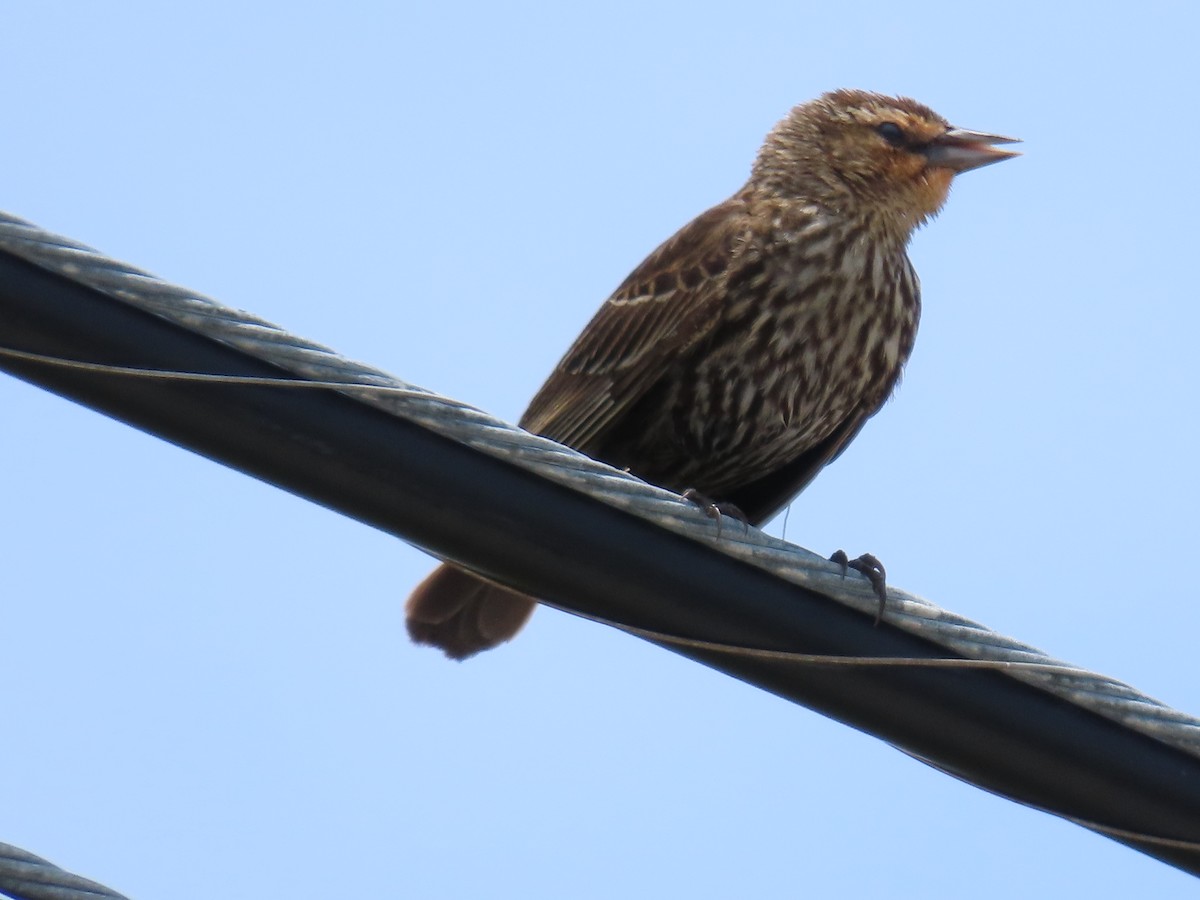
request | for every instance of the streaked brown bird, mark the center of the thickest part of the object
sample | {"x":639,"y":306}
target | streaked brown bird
{"x":749,"y":349}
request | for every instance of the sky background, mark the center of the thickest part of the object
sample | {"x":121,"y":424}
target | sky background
{"x":208,"y":688}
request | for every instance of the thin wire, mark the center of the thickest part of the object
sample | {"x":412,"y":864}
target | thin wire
{"x":455,"y":420}
{"x":658,"y":636}
{"x":175,"y":375}
{"x":41,"y":891}
{"x":824,"y":659}
{"x":1123,"y":834}
{"x":320,"y":368}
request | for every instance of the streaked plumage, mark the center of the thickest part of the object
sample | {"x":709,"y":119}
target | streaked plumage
{"x":746,"y":352}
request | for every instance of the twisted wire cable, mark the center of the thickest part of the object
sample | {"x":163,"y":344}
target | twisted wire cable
{"x":24,"y":876}
{"x":461,"y":422}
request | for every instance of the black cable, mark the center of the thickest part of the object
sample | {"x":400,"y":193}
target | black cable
{"x":585,"y":556}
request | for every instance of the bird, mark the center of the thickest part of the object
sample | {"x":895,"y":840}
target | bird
{"x":747,"y":351}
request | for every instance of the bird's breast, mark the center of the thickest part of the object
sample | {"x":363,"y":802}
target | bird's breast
{"x":801,"y":347}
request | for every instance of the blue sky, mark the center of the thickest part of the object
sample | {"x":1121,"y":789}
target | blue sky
{"x":209,"y":690}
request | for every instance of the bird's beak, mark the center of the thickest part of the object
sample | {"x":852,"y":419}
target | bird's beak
{"x":961,"y":150}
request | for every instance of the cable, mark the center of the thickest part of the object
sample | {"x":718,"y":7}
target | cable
{"x":594,"y":541}
{"x":24,"y":876}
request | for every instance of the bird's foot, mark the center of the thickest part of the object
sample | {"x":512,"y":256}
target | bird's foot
{"x":715,"y":510}
{"x":873,"y":569}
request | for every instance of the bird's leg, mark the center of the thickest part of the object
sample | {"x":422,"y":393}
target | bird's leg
{"x":715,"y":510}
{"x":873,"y":569}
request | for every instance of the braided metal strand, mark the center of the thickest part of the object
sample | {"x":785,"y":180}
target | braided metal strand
{"x":24,"y":876}
{"x":269,"y":343}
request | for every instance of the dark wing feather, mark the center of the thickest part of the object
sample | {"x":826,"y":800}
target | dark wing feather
{"x":669,"y":302}
{"x":762,"y":498}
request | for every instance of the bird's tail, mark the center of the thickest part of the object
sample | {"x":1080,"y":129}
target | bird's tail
{"x":463,"y":615}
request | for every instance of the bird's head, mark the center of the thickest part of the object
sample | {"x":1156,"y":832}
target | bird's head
{"x":884,"y":157}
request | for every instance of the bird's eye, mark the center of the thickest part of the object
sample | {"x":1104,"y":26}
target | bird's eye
{"x":892,"y":133}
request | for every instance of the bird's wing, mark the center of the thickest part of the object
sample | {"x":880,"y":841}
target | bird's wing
{"x":668,"y":303}
{"x":762,"y":498}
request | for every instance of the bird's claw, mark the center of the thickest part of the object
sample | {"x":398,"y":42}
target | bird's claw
{"x":869,"y":566}
{"x":715,"y":510}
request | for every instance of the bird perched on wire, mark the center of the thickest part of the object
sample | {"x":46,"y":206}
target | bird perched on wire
{"x":748,"y":350}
